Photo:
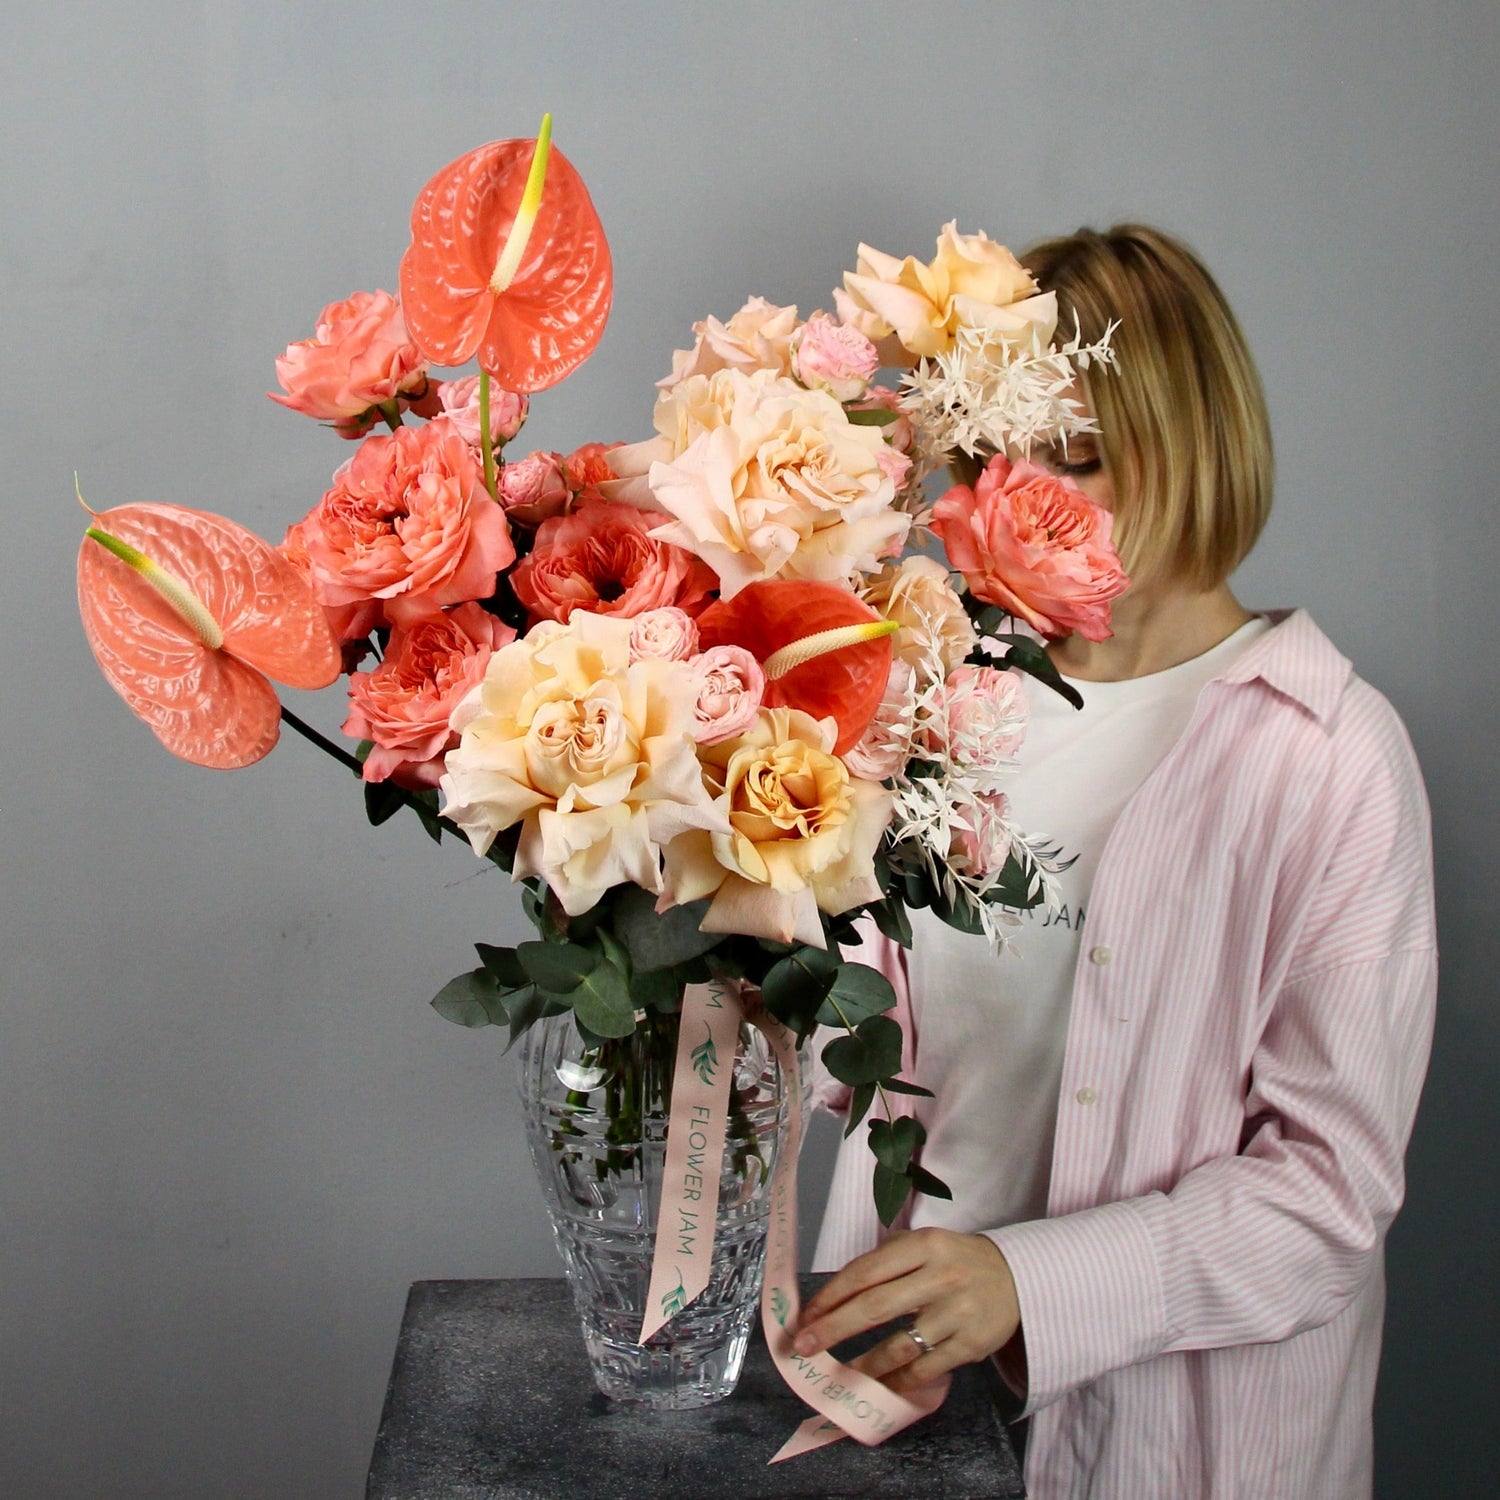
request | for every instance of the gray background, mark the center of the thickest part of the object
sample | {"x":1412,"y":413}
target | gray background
{"x":231,"y":1131}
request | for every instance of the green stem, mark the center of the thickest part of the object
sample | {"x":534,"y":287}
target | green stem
{"x":391,"y":411}
{"x":486,"y":438}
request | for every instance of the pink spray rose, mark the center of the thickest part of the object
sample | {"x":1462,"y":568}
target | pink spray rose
{"x":901,"y":434}
{"x":730,"y":687}
{"x":404,"y":703}
{"x":666,"y":634}
{"x":886,"y":744}
{"x":602,"y":557}
{"x":534,"y":489}
{"x":459,"y":401}
{"x":981,"y":842}
{"x":1034,"y":544}
{"x":407,"y":524}
{"x":834,"y":357}
{"x":360,"y":358}
{"x":979,"y":718}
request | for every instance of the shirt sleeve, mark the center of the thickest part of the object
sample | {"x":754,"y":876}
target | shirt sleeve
{"x":1279,"y":1238}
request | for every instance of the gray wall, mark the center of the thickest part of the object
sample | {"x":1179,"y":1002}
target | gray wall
{"x":231,"y":1132}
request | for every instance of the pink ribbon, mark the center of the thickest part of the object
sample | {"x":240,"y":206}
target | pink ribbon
{"x":848,"y":1403}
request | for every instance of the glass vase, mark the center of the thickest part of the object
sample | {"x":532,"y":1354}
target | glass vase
{"x":597,"y":1124}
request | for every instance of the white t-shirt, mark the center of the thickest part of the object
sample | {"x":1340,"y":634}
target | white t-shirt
{"x":991,"y":1030}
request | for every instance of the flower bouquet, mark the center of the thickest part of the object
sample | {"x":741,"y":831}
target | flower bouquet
{"x":701,"y":696}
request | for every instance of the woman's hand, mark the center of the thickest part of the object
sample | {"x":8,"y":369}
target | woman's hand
{"x":957,"y":1288}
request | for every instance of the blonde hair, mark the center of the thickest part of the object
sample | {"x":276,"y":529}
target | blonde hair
{"x":1183,"y":428}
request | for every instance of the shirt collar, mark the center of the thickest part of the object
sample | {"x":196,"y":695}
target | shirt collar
{"x":1296,"y":659}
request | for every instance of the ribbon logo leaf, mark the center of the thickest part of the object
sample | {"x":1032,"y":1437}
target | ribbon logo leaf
{"x":706,"y":1058}
{"x":675,"y":1300}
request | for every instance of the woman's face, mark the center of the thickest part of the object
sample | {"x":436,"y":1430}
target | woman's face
{"x":1082,"y":461}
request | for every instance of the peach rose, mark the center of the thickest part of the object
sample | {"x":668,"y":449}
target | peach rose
{"x":757,"y":337}
{"x":404,"y":703}
{"x":459,"y":402}
{"x":935,"y":628}
{"x":802,"y":833}
{"x":590,"y":752}
{"x":1035,"y":545}
{"x":730,"y":686}
{"x":833,"y":357}
{"x":407,"y":524}
{"x":970,"y":282}
{"x":605,"y":558}
{"x":978,"y":719}
{"x":885,"y":746}
{"x":534,"y":489}
{"x":360,"y":359}
{"x":665,"y":634}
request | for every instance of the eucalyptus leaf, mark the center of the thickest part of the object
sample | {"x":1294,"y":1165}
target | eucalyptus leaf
{"x":859,"y":1106}
{"x":858,"y":992}
{"x":558,"y":967}
{"x":870,"y":1055}
{"x":891,"y":918}
{"x":602,"y":1002}
{"x":657,"y":990}
{"x":794,"y":986}
{"x":891,"y":1189}
{"x":925,"y":1182}
{"x":503,"y":964}
{"x":894,"y":1141}
{"x":660,"y":940}
{"x":1029,"y":656}
{"x":472,"y":999}
{"x":901,"y":1086}
{"x":527,"y":1007}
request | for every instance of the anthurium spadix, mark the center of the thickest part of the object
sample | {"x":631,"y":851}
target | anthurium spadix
{"x":508,"y":264}
{"x":188,"y":615}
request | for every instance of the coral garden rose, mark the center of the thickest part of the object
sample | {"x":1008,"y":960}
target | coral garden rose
{"x":765,"y":479}
{"x":360,"y":358}
{"x":802,"y":833}
{"x":1035,"y":545}
{"x":978,"y":719}
{"x":885,"y":746}
{"x":534,"y":489}
{"x":459,"y":402}
{"x":407,"y":524}
{"x":758,"y":337}
{"x":731,"y":687}
{"x":831,"y":356}
{"x":970,"y":282}
{"x":605,"y":558}
{"x":665,"y":634}
{"x":936,"y":633}
{"x":591,"y":752}
{"x":403,"y":705}
{"x":587,"y":467}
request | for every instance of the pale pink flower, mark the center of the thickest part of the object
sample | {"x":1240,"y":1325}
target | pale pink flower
{"x":665,"y":634}
{"x":982,"y":838}
{"x":459,"y":400}
{"x":833,"y":357}
{"x":360,"y":358}
{"x":1035,"y":545}
{"x":403,"y":705}
{"x":978,"y":719}
{"x":900,"y":434}
{"x":895,"y":465}
{"x":730,"y":686}
{"x":407,"y":525}
{"x":605,"y":558}
{"x":757,"y":337}
{"x":534,"y":489}
{"x":886,"y":744}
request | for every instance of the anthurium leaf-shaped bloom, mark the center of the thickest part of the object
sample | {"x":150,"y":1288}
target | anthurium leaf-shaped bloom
{"x":522,"y":281}
{"x":187,"y":615}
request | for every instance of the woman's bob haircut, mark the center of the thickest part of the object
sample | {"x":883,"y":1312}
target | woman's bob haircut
{"x":1182,"y":417}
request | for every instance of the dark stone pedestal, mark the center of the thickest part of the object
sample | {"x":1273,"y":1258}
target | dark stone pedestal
{"x":491,"y":1399}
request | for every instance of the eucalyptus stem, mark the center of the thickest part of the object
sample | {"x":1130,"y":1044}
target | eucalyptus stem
{"x":487,"y":438}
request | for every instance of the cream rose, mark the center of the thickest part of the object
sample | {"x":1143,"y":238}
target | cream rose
{"x":590,"y":752}
{"x":802,"y":833}
{"x":935,"y":628}
{"x":757,"y":337}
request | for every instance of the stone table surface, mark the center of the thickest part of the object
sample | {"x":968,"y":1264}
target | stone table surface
{"x":491,"y":1398}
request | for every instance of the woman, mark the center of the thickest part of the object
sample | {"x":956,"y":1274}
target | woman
{"x":1174,"y":1126}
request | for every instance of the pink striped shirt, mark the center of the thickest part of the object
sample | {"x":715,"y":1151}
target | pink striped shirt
{"x":1202,"y":1305}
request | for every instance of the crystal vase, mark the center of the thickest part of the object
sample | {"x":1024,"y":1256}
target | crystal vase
{"x":597,"y":1125}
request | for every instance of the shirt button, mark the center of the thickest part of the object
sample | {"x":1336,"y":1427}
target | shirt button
{"x":1100,"y":955}
{"x":1086,"y":1095}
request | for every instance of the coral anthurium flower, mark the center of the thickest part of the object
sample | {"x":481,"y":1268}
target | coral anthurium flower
{"x":508,"y":261}
{"x":843,"y":681}
{"x":187,"y":615}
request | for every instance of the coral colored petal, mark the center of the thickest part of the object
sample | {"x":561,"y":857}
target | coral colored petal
{"x":846,"y":684}
{"x":552,"y":315}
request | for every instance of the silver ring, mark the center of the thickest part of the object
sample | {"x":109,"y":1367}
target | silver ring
{"x":918,"y":1340}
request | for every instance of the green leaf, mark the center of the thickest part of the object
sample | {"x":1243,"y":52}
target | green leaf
{"x":472,"y":999}
{"x":891,"y":1189}
{"x":901,"y":1086}
{"x":923,"y":1181}
{"x":794,"y":986}
{"x":871,"y":416}
{"x":858,"y":992}
{"x":660,"y":941}
{"x":527,"y":1007}
{"x":559,"y":967}
{"x":657,"y":990}
{"x":602,"y":1001}
{"x":1016,"y":886}
{"x":383,"y":800}
{"x":1029,"y":656}
{"x":503,"y":964}
{"x":894,"y":1141}
{"x":859,"y":1105}
{"x":871,"y":1054}
{"x":891,"y":918}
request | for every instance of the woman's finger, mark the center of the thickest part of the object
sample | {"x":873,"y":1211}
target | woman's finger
{"x":896,"y":1257}
{"x":865,"y":1310}
{"x":901,"y":1349}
